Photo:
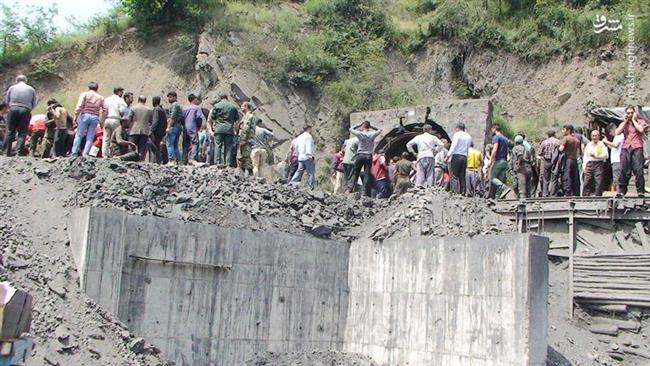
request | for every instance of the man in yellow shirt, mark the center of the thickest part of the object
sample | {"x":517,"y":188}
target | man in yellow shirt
{"x":474,"y":160}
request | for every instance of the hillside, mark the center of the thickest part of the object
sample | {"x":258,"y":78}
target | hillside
{"x":273,"y":53}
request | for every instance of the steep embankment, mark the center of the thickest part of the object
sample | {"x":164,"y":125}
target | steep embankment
{"x":557,"y":91}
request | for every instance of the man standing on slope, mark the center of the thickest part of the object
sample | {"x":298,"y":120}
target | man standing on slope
{"x":305,"y":150}
{"x":140,"y":117}
{"x":548,"y":154}
{"x":89,"y":111}
{"x":572,"y":148}
{"x":223,"y":117}
{"x":460,"y":144}
{"x":174,"y":128}
{"x":427,"y":147}
{"x":246,"y":136}
{"x":363,"y":159}
{"x":633,"y":129}
{"x":193,"y":119}
{"x":595,"y":158}
{"x":115,"y":108}
{"x":21,"y":99}
{"x":158,"y":128}
{"x":498,"y":164}
{"x":350,"y":147}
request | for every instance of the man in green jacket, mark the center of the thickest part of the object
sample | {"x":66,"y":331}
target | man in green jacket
{"x":223,"y":117}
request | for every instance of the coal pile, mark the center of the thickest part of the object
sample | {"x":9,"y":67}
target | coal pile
{"x":437,"y":213}
{"x":37,"y":196}
{"x":68,"y":328}
{"x":211,"y":195}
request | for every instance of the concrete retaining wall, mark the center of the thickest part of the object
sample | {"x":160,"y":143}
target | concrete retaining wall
{"x":271,"y":292}
{"x":209,"y":295}
{"x":449,"y":301}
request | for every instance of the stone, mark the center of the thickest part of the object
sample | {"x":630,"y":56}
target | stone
{"x":57,"y":287}
{"x":563,"y":98}
{"x":42,"y":172}
{"x":321,"y":231}
{"x":137,"y":345}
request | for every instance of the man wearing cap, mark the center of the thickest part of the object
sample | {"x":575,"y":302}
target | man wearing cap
{"x":21,"y":99}
{"x":115,"y":107}
{"x":223,"y":116}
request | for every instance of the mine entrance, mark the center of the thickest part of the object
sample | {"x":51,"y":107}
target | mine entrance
{"x":394,"y":143}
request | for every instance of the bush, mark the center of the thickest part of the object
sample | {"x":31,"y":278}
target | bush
{"x":43,"y":70}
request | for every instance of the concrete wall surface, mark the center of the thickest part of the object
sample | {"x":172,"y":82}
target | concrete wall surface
{"x":208,"y":295}
{"x":449,"y":301}
{"x":475,"y":113}
{"x":222,"y":293}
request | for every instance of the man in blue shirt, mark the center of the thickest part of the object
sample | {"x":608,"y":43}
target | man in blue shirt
{"x":193,"y":119}
{"x":498,"y":164}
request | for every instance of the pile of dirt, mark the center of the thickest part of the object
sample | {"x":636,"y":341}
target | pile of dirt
{"x":311,"y":358}
{"x":36,"y":197}
{"x":68,"y":327}
{"x":437,"y":213}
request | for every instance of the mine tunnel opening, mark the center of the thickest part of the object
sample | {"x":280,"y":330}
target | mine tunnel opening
{"x":394,"y":143}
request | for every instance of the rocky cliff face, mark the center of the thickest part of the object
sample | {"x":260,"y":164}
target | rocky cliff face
{"x":563,"y":90}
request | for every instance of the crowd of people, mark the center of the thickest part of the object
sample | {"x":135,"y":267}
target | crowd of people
{"x":232,"y":135}
{"x":570,"y":166}
{"x":123,"y":127}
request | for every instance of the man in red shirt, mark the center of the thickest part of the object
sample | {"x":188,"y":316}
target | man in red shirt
{"x":633,"y":129}
{"x":379,"y":172}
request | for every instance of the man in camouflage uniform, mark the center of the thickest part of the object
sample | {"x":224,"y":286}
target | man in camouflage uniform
{"x":246,"y":136}
{"x":223,"y":116}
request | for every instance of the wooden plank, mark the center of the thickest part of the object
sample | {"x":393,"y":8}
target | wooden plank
{"x":594,"y":295}
{"x":602,"y":224}
{"x":613,"y":302}
{"x":644,"y":239}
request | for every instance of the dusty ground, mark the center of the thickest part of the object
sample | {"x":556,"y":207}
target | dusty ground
{"x":70,"y":329}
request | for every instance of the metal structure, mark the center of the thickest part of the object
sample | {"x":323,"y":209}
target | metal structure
{"x":604,"y":239}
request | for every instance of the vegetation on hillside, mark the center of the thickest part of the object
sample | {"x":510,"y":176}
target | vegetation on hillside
{"x":533,"y":29}
{"x":337,"y":48}
{"x":27,"y":32}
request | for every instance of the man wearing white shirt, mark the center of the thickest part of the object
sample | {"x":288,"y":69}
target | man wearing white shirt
{"x":305,"y":150}
{"x":460,"y":144}
{"x":615,"y":153}
{"x":427,"y":145}
{"x":115,"y":107}
{"x":595,"y":158}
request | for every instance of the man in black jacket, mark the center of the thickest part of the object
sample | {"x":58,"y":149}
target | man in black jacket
{"x":158,"y":128}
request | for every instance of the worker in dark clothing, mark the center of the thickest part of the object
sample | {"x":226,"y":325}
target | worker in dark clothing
{"x":158,"y":128}
{"x":121,"y":147}
{"x":572,"y":148}
{"x":403,"y":174}
{"x":522,"y":167}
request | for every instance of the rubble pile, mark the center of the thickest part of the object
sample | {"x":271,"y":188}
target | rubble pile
{"x":68,"y":328}
{"x":435,"y":212}
{"x":312,"y":358}
{"x":210,"y":195}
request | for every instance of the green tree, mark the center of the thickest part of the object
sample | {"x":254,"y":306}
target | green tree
{"x":39,"y":26}
{"x":146,"y":13}
{"x":9,"y":31}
